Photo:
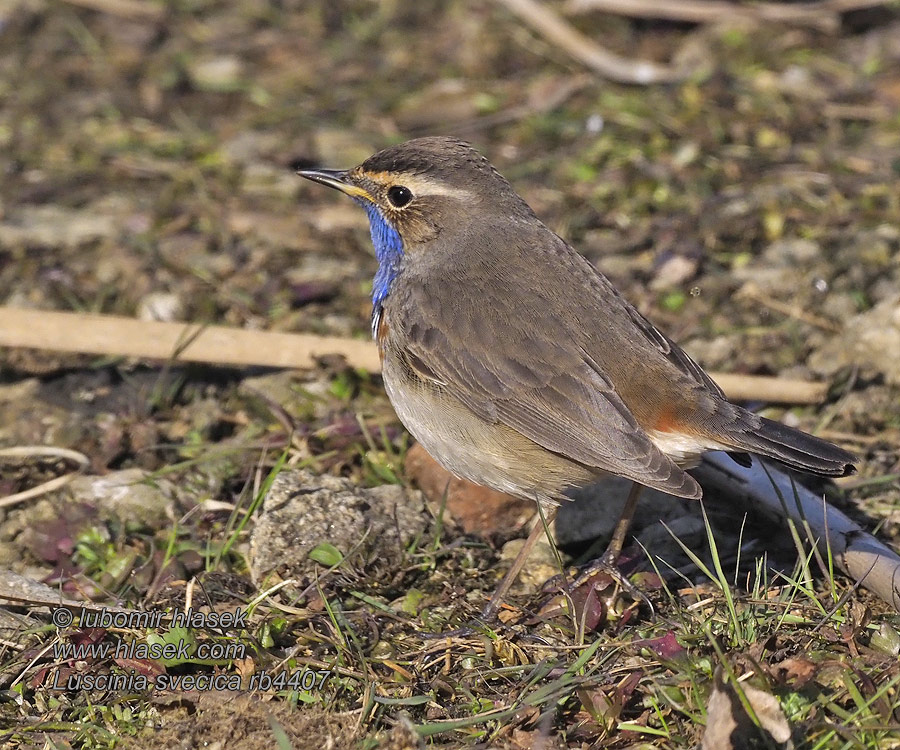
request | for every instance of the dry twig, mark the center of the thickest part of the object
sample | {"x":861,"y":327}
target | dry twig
{"x":825,"y":15}
{"x":772,"y":390}
{"x":125,"y":337}
{"x":600,"y":60}
{"x":42,"y":451}
{"x":753,"y":292}
{"x":536,"y":105}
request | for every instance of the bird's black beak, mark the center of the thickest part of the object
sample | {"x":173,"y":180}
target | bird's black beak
{"x":335,"y":178}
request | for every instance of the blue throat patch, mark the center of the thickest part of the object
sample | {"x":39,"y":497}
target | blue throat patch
{"x":388,"y":251}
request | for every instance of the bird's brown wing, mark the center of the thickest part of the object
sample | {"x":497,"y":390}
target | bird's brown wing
{"x":674,"y":353}
{"x":518,"y":360}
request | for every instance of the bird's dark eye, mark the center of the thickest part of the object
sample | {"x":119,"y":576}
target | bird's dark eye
{"x":399,"y":196}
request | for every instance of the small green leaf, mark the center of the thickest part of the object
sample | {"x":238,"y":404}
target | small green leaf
{"x":343,"y":386}
{"x":886,"y":640}
{"x":326,"y":554}
{"x":674,"y":301}
{"x":412,"y":600}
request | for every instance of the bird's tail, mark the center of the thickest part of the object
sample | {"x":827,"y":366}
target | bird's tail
{"x":793,"y":448}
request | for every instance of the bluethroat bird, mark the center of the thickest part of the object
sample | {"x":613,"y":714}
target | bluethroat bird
{"x":516,"y":364}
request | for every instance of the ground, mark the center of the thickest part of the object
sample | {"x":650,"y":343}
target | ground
{"x":752,"y":211}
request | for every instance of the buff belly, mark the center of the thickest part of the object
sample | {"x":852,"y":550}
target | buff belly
{"x":489,"y":454}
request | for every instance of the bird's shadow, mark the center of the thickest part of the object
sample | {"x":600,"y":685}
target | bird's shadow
{"x":665,"y":527}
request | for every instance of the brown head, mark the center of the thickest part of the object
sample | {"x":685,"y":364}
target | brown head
{"x":425,"y":187}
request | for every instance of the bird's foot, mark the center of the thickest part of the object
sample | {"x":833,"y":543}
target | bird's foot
{"x":593,"y":593}
{"x":489,"y":619}
{"x":607,"y":564}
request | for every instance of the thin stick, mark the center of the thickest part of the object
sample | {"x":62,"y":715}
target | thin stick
{"x":752,"y":291}
{"x":42,"y":451}
{"x":535,"y":105}
{"x":125,"y":337}
{"x":820,"y":15}
{"x":598,"y":59}
{"x":773,"y":390}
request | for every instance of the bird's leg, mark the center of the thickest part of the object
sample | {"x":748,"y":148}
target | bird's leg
{"x":607,"y":561}
{"x":489,"y":613}
{"x":611,"y":556}
{"x":542,"y":521}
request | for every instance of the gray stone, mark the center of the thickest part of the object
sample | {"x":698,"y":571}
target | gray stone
{"x":220,"y":73}
{"x":674,"y":273}
{"x":164,"y":306}
{"x":303,"y":510}
{"x":870,"y":340}
{"x":540,"y":567}
{"x":660,"y":539}
{"x":793,"y":252}
{"x":54,"y":226}
{"x":714,"y":353}
{"x":126,"y":495}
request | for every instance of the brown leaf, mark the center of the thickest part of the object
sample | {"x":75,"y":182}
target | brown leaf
{"x":478,"y":510}
{"x":729,"y":727}
{"x":148,"y":667}
{"x":590,"y":608}
{"x":795,"y":671}
{"x":666,"y":647}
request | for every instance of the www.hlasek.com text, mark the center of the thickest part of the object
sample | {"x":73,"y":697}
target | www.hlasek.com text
{"x":181,"y":650}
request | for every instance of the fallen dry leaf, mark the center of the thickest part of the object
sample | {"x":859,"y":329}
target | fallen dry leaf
{"x":478,"y":510}
{"x":729,"y":727}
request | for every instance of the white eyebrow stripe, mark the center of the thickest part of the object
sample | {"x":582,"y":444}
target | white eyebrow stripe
{"x":420,"y":184}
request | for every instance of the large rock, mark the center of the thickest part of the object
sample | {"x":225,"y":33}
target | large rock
{"x":128,"y":494}
{"x":595,"y":511}
{"x":303,"y":510}
{"x":870,"y":340}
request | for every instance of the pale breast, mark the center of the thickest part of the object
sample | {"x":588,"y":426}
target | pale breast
{"x":486,"y":453}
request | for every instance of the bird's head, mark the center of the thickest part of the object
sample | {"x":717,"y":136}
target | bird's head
{"x":417,"y":191}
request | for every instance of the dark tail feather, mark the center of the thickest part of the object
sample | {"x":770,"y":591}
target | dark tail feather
{"x":797,"y":449}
